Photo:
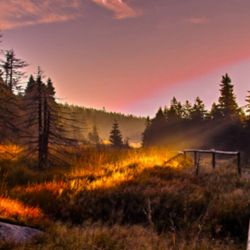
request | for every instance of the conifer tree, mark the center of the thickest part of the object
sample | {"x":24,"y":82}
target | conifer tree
{"x":115,"y":137}
{"x":159,"y":117}
{"x":227,"y":100}
{"x":198,"y":111}
{"x":45,"y":125}
{"x":187,"y":110}
{"x":215,"y":112}
{"x":12,"y":69}
{"x":174,"y":112}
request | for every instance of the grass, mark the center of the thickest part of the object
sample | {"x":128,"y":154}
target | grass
{"x":132,"y":199}
{"x":14,"y":210}
{"x":96,"y":236}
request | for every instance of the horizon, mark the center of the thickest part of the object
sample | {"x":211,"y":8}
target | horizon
{"x":132,"y":57}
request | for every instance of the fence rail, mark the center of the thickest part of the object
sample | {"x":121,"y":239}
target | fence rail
{"x":213,"y":152}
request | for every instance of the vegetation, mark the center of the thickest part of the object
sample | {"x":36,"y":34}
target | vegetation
{"x":115,"y":137}
{"x":115,"y":199}
{"x":225,"y":126}
{"x":131,"y":126}
{"x":89,"y":195}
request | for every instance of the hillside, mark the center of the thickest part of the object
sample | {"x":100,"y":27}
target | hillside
{"x":131,"y":126}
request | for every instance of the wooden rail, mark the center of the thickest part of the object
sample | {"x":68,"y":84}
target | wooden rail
{"x":213,"y":152}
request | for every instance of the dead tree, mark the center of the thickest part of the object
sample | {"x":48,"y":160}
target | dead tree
{"x":47,"y":124}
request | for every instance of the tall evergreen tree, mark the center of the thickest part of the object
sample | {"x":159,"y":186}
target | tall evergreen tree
{"x":174,"y":113}
{"x":187,"y":110}
{"x":198,"y":112}
{"x":12,"y":69}
{"x":46,"y":125}
{"x":227,"y":99}
{"x":115,"y":137}
{"x":215,"y":112}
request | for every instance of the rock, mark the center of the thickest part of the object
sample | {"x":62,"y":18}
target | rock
{"x":17,"y":234}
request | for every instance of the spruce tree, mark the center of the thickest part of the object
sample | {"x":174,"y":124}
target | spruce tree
{"x":175,"y":111}
{"x":215,"y":112}
{"x":12,"y":69}
{"x":227,"y":100}
{"x":46,"y":126}
{"x":115,"y":137}
{"x":198,"y":112}
{"x":187,"y":110}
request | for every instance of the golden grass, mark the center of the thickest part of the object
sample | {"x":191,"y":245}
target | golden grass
{"x":112,"y":174}
{"x":13,"y":209}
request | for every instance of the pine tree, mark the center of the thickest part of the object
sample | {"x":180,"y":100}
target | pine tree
{"x":12,"y":70}
{"x":187,"y":110}
{"x":198,"y":112}
{"x":175,"y":110}
{"x":159,"y":117}
{"x":227,"y":100}
{"x":215,"y":112}
{"x":46,"y":125}
{"x":30,"y":85}
{"x":115,"y":137}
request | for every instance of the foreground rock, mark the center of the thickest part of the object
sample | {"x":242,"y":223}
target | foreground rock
{"x":17,"y":234}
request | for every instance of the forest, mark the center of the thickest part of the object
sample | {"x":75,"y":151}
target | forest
{"x":226,"y":126}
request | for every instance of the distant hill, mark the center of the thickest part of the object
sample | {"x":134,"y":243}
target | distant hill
{"x":131,"y":126}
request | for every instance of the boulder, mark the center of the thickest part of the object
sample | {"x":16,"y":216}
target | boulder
{"x":17,"y":234}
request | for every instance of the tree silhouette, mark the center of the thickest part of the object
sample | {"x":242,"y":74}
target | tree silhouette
{"x":46,"y":126}
{"x":115,"y":137}
{"x":12,"y":69}
{"x":198,"y":112}
{"x":227,"y":100}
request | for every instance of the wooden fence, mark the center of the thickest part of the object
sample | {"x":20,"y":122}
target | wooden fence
{"x":197,"y":152}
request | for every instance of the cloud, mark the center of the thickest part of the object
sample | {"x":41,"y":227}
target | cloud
{"x":197,"y":20}
{"x":119,"y":7}
{"x":19,"y":13}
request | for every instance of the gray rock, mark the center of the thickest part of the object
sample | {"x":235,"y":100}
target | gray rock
{"x":17,"y":234}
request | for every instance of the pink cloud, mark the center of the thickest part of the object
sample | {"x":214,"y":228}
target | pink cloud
{"x":120,"y":9}
{"x":197,"y":20}
{"x":19,"y":13}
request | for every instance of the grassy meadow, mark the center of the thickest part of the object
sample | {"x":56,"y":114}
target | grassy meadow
{"x":124,"y":199}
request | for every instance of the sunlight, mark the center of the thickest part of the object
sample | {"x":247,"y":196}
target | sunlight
{"x":110,"y":175}
{"x":15,"y":209}
{"x":10,"y":152}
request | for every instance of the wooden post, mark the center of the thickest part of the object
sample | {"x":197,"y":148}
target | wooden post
{"x":213,"y":160}
{"x":196,"y":164}
{"x":238,"y":163}
{"x":185,"y":155}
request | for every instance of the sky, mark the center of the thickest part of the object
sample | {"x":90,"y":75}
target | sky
{"x":132,"y":56}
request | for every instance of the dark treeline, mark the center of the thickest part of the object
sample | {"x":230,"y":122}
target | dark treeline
{"x":225,"y":126}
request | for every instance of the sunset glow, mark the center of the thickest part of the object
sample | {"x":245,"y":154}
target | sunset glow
{"x":131,"y":55}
